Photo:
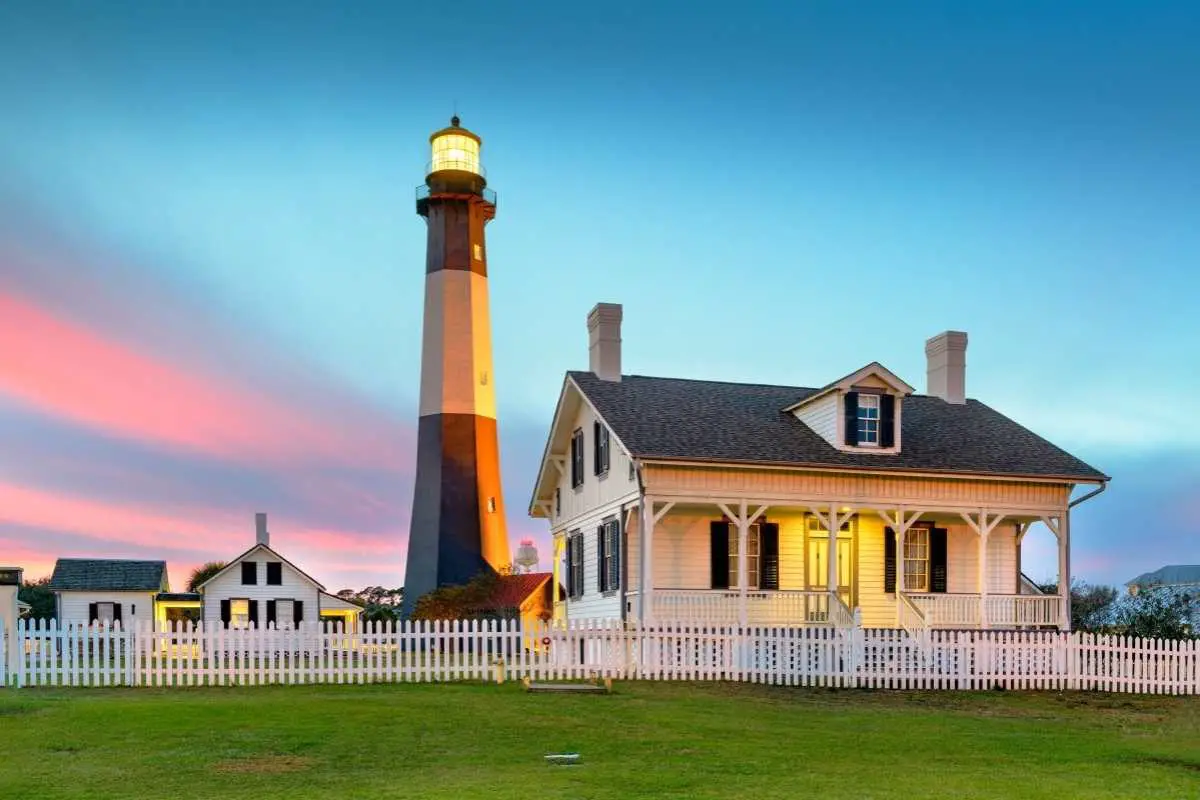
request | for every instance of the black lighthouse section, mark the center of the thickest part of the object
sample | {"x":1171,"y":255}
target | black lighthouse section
{"x":445,"y":536}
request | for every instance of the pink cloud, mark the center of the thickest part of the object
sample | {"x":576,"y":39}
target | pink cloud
{"x":70,"y":371}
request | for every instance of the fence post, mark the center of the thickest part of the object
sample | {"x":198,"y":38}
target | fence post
{"x":10,"y":582}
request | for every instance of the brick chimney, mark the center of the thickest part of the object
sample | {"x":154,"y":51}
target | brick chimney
{"x":604,"y":341}
{"x":260,"y":529}
{"x":946,"y":366}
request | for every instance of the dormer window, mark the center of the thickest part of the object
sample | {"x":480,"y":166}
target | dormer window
{"x":868,"y":419}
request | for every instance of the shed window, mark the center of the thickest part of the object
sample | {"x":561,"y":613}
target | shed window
{"x":274,"y":573}
{"x":249,"y":573}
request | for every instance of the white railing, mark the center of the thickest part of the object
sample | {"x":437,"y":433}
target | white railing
{"x":999,"y":610}
{"x":723,"y":606}
{"x":685,"y":650}
{"x":1023,"y":610}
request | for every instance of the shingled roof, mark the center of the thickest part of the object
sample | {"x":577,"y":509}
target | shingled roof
{"x":107,"y":575}
{"x":714,"y":421}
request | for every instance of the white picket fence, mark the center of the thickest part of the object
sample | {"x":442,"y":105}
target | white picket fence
{"x":47,"y":655}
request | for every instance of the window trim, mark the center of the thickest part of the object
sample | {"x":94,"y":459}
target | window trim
{"x":233,"y":615}
{"x":753,"y":573}
{"x":925,"y":528}
{"x":868,"y":401}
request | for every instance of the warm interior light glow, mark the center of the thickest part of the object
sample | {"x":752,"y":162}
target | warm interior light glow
{"x":455,"y":151}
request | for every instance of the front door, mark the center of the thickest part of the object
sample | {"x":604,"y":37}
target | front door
{"x":817,"y":558}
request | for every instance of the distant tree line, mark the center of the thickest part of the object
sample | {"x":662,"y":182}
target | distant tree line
{"x":1154,"y":612}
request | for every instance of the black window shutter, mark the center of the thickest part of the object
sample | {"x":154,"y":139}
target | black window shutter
{"x":851,"y":418}
{"x":93,"y":612}
{"x":116,"y":612}
{"x":768,"y":555}
{"x":887,"y":420}
{"x":596,"y":469}
{"x":720,"y":554}
{"x":225,"y":613}
{"x":601,"y":571}
{"x":889,"y":560}
{"x":614,"y":580}
{"x":570,"y":566}
{"x":274,"y":573}
{"x":937,"y":560}
{"x":297,"y":611}
{"x":254,"y":613}
{"x":270,"y":612}
{"x":249,"y":573}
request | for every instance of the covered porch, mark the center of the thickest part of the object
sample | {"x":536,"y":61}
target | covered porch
{"x":789,"y":562}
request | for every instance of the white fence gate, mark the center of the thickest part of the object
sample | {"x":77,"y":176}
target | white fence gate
{"x":44,"y":654}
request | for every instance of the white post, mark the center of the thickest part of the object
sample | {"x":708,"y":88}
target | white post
{"x":10,"y":582}
{"x":743,"y":567}
{"x":831,"y":559}
{"x":1064,"y":567}
{"x":984,"y":622}
{"x":646,"y":591}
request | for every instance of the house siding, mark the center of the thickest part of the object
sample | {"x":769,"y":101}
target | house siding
{"x":228,"y":585}
{"x":72,"y":607}
{"x":594,"y":604}
{"x":597,"y":491}
{"x":822,"y":416}
{"x":664,"y":480}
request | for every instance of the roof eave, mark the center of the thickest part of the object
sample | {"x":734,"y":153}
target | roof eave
{"x":818,"y":466}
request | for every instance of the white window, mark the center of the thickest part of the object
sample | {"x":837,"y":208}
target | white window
{"x":916,"y":560}
{"x":283,"y":613}
{"x":239,"y":613}
{"x":868,"y":419}
{"x":478,"y":248}
{"x":104,"y":613}
{"x":752,"y":550}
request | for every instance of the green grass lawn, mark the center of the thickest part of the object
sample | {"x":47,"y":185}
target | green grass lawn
{"x":644,"y":740}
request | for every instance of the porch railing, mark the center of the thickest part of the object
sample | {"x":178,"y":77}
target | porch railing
{"x":996,"y":611}
{"x":722,"y":606}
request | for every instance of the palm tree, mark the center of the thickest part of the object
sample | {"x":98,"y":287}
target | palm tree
{"x":203,"y":573}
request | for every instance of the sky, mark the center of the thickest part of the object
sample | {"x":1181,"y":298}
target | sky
{"x":211,"y":270}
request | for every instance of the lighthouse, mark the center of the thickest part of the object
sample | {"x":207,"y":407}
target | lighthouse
{"x":457,"y":527}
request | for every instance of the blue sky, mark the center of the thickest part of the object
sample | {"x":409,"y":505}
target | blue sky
{"x":219,"y":199}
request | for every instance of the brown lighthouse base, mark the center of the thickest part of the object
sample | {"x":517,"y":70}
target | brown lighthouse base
{"x":457,"y":527}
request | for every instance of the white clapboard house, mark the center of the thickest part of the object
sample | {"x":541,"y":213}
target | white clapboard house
{"x":861,"y":499}
{"x":260,"y":587}
{"x":107,"y":590}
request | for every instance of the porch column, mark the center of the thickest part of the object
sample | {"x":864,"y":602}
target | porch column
{"x":743,"y":534}
{"x":646,"y":569}
{"x":743,"y":519}
{"x":650,"y":518}
{"x":1064,"y":568}
{"x":833,"y":523}
{"x":983,"y":525}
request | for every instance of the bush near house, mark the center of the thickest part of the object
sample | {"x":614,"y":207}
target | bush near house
{"x":1160,"y":613}
{"x":472,"y":600}
{"x":1088,"y":603}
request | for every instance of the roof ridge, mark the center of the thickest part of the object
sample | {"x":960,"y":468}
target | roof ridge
{"x":703,"y":380}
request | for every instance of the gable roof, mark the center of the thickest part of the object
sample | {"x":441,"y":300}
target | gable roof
{"x":1170,"y":575}
{"x":513,"y":590}
{"x":270,"y":550}
{"x":847,"y":381}
{"x":714,"y":421}
{"x":107,"y":575}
